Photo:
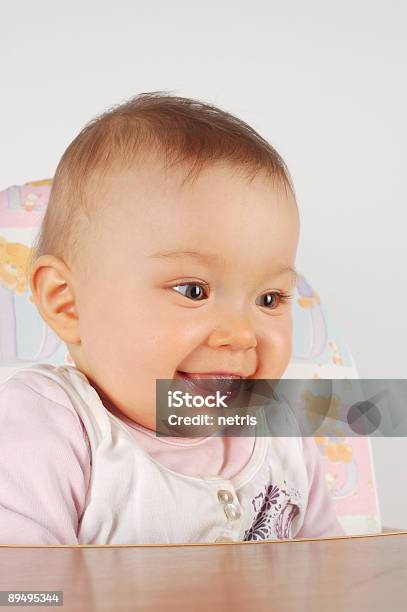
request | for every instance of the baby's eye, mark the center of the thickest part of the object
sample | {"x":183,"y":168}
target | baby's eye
{"x":274,"y":299}
{"x":196,"y":291}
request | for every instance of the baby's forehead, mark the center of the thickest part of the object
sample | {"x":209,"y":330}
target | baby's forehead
{"x":142,"y":210}
{"x":151,"y":204}
{"x":151,"y":182}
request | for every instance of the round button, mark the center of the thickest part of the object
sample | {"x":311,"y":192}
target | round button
{"x":224,"y":496}
{"x":224,"y":539}
{"x":232,"y":512}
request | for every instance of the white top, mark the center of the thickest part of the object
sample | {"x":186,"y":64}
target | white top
{"x":133,"y":499}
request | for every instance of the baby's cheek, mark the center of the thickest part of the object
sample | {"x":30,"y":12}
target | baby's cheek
{"x":286,"y":352}
{"x":277,"y":355}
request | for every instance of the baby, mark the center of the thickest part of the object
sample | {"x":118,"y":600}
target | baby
{"x":167,"y":251}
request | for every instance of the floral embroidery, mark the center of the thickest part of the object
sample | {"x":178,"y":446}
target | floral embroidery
{"x":275,"y":512}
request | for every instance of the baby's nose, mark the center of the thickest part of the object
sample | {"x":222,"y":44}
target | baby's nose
{"x":235,"y":332}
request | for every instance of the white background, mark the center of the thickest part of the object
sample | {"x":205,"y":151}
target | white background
{"x":324,"y":82}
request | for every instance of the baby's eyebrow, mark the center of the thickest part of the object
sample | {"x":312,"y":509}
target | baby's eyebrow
{"x":203,"y":256}
{"x":215,"y":258}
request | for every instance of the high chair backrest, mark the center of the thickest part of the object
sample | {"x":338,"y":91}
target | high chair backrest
{"x":318,"y":351}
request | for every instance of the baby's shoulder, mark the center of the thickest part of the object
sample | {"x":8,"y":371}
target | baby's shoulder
{"x":29,"y":383}
{"x":31,"y":399}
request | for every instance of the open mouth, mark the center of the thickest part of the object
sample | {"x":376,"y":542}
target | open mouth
{"x":208,"y":384}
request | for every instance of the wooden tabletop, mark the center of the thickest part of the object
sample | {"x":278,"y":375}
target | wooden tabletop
{"x":347,"y":574}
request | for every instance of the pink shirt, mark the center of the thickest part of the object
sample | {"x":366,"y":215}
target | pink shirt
{"x":45,"y":466}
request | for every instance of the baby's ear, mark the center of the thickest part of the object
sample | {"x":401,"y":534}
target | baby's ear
{"x":53,"y":294}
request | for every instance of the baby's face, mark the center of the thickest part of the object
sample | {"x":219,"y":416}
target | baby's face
{"x":213,"y":305}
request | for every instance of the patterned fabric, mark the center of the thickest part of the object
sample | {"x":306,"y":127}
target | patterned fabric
{"x":273,"y":505}
{"x":319,"y":351}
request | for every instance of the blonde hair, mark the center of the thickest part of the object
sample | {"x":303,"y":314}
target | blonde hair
{"x":183,"y":131}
